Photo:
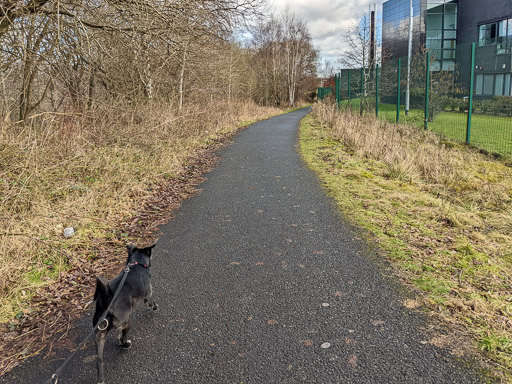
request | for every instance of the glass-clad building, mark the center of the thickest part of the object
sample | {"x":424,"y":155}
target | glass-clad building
{"x":447,"y":28}
{"x":489,"y":25}
{"x":434,"y":28}
{"x":395,"y":27}
{"x":441,"y":36}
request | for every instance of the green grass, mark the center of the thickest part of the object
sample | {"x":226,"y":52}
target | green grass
{"x":491,"y":133}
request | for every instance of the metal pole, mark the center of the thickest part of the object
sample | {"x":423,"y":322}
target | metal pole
{"x":409,"y":54}
{"x":372,"y":39}
{"x":427,"y":88}
{"x":337,"y":77}
{"x":362,"y":92}
{"x":470,"y":104}
{"x":348,"y":82}
{"x":339,"y":90}
{"x":377,"y":91}
{"x":398,"y":91}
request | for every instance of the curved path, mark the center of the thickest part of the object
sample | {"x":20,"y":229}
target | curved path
{"x":253,"y":277}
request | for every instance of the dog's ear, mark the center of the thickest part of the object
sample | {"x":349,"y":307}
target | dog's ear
{"x":149,"y":248}
{"x":130,"y":248}
{"x":102,"y":289}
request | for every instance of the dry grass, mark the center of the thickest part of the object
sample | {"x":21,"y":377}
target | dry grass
{"x":90,"y":172}
{"x":441,"y":211}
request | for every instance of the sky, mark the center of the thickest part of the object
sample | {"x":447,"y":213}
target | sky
{"x":327,"y":19}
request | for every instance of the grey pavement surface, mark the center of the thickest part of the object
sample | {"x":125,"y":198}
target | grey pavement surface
{"x":253,"y":276}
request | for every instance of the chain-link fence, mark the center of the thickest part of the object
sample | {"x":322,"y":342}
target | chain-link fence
{"x":470,"y":101}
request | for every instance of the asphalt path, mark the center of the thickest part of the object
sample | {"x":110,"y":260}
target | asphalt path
{"x":260,"y":280}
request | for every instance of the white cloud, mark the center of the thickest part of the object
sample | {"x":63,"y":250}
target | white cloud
{"x":327,"y":20}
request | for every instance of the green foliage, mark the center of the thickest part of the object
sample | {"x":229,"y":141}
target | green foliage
{"x":498,"y":105}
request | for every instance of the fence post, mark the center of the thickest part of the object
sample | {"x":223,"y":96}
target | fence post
{"x":470,"y":106}
{"x":335,"y":88}
{"x":377,"y":91}
{"x":398,"y":91}
{"x":348,"y":82}
{"x":427,"y":89}
{"x":362,"y":92}
{"x":339,"y":90}
{"x":337,"y":77}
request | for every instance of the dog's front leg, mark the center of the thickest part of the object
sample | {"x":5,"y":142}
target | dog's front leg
{"x":100,"y":344}
{"x":152,"y":304}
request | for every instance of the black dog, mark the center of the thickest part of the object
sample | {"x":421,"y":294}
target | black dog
{"x":136,"y":287}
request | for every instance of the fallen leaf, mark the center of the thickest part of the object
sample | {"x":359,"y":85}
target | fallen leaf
{"x":273,"y":322}
{"x":89,"y":359}
{"x":307,"y":343}
{"x":409,"y":303}
{"x":235,"y":263}
{"x":377,"y":322}
{"x":352,"y":361}
{"x":318,"y":252}
{"x":338,"y":293}
{"x":259,"y":263}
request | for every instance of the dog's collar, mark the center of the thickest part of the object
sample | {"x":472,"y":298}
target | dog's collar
{"x":137,"y":263}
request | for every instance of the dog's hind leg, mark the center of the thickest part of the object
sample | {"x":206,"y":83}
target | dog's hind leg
{"x":100,"y":344}
{"x":123,"y":342}
{"x":150,"y":300}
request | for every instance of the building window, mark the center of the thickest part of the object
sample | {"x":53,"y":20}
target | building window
{"x":507,"y":85}
{"x":497,"y":33}
{"x":498,"y":87}
{"x":479,"y":84}
{"x":488,"y":84}
{"x":441,"y":33}
{"x":487,"y":34}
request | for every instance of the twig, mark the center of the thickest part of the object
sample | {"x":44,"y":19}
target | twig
{"x":24,"y":334}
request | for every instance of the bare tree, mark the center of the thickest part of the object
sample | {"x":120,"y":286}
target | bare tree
{"x":134,"y":51}
{"x":357,"y":54}
{"x":284,"y":57}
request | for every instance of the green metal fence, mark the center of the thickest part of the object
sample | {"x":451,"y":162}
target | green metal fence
{"x":470,"y":100}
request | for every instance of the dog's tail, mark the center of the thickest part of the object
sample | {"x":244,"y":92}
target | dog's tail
{"x":102,"y":290}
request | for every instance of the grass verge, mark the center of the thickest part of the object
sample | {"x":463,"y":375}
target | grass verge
{"x":488,"y":132}
{"x":439,"y":211}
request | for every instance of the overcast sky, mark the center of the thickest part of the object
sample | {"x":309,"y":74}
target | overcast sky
{"x":327,"y":19}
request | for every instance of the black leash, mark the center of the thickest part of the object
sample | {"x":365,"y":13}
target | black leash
{"x":55,"y":377}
